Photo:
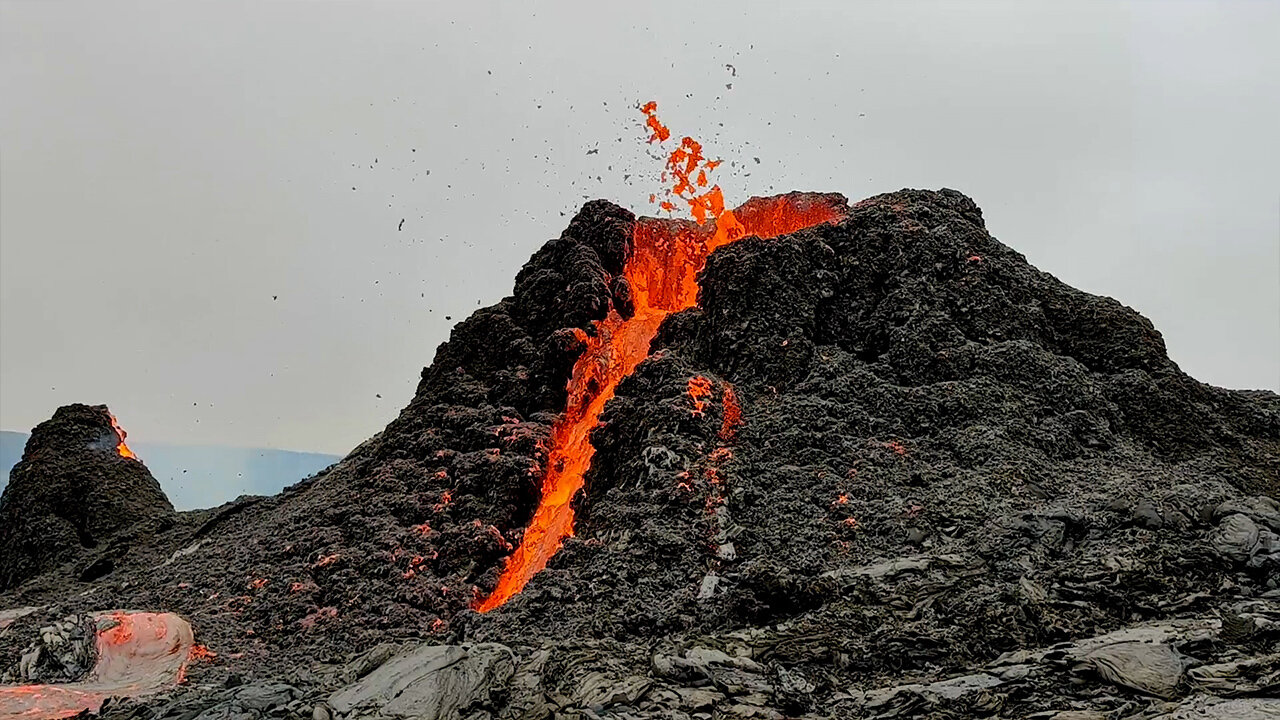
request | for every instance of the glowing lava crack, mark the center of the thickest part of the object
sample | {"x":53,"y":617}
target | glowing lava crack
{"x":662,"y":272}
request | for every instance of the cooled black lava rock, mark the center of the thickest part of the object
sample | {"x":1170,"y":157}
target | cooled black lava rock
{"x":71,"y":491}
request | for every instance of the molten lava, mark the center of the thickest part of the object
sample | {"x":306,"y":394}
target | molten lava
{"x":660,"y":131}
{"x":662,"y":271}
{"x":121,"y":447}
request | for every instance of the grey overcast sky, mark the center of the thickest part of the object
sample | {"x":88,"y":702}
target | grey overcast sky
{"x":200,"y":201}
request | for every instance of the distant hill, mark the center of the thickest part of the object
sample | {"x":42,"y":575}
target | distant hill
{"x":195,"y":476}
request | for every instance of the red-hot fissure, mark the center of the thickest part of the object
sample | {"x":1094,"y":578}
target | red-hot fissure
{"x":662,"y":272}
{"x":142,"y":653}
{"x":121,"y":447}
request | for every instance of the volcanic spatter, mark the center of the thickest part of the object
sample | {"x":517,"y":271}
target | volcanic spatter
{"x":874,"y":451}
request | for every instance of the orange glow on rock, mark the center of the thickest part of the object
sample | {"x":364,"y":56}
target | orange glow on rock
{"x":699,"y":390}
{"x":327,"y":560}
{"x":121,"y":447}
{"x":732,"y":415}
{"x":201,"y":653}
{"x":662,"y":272}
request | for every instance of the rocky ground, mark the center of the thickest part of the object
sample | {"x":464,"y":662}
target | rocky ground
{"x":925,"y":480}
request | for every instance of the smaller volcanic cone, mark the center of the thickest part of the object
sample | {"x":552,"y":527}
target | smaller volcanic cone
{"x":77,"y":484}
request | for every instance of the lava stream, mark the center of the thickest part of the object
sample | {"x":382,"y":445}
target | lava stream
{"x":619,"y":345}
{"x":662,"y":272}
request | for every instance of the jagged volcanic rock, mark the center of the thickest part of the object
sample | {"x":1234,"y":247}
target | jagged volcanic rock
{"x":72,"y":490}
{"x":878,"y":452}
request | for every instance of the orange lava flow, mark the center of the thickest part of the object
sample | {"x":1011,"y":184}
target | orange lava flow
{"x":121,"y":448}
{"x":662,"y":271}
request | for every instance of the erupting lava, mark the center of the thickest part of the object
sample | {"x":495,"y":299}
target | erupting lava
{"x":121,"y":447}
{"x":662,"y":272}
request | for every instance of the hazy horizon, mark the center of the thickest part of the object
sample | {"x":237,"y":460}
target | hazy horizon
{"x":251,"y":224}
{"x":201,"y":476}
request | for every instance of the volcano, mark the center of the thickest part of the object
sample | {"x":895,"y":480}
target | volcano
{"x":806,"y":459}
{"x":77,"y":485}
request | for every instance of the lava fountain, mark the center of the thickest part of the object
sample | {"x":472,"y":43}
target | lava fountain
{"x":662,"y":271}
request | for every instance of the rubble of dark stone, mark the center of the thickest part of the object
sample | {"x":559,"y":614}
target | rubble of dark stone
{"x":960,"y":489}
